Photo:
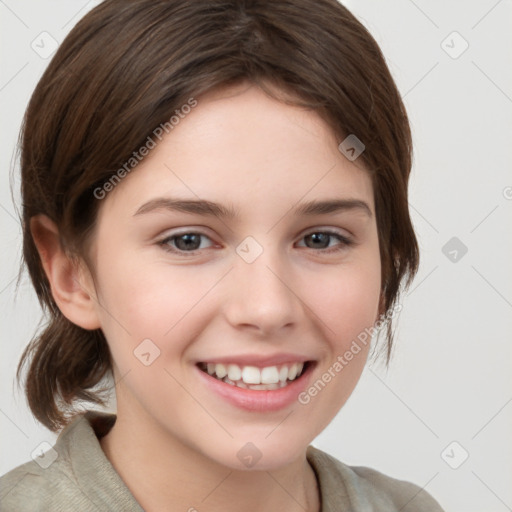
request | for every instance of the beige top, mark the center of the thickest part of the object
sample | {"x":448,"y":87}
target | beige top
{"x":81,"y":478}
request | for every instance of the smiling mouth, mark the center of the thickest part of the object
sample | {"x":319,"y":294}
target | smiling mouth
{"x":252,"y":377}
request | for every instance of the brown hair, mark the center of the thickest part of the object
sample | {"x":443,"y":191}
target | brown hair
{"x":124,"y":69}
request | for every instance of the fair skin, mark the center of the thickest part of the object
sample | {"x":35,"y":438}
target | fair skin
{"x":175,"y":440}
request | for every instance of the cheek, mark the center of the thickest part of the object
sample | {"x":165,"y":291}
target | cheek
{"x":151,"y":301}
{"x":347,"y":299}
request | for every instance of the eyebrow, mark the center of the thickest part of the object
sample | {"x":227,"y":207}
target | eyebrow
{"x":212,"y":209}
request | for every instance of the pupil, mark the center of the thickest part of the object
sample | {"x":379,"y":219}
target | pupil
{"x":189,"y":240}
{"x":316,"y":237}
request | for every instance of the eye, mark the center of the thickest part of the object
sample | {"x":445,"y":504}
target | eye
{"x":320,"y":240}
{"x":188,"y":242}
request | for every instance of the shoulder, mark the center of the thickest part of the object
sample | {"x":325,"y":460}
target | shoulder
{"x":48,"y":482}
{"x":73,"y":475}
{"x":365,"y":489}
{"x":31,"y":487}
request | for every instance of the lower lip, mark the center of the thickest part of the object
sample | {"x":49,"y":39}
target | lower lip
{"x":259,"y":400}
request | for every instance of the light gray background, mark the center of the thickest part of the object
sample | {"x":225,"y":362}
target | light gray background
{"x":451,"y":377}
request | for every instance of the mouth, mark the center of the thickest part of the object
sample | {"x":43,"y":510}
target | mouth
{"x":254,"y":387}
{"x":267,"y":378}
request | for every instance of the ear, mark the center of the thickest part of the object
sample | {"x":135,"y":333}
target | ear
{"x":71,"y":284}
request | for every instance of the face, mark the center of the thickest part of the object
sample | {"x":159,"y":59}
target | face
{"x":261,"y":285}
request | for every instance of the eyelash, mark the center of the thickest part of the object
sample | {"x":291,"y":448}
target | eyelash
{"x":345,"y":242}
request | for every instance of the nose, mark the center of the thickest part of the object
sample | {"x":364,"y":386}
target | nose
{"x":263,"y":295}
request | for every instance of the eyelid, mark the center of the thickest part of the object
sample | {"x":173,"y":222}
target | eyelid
{"x":201,"y":230}
{"x":347,"y":236}
{"x":329,"y":229}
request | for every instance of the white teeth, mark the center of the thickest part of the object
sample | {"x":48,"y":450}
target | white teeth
{"x":234,"y":372}
{"x":258,"y":387}
{"x":269,"y":377}
{"x":264,"y":386}
{"x":251,"y":375}
{"x":220,"y":370}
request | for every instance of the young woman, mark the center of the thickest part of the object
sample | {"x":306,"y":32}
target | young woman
{"x":215,"y":215}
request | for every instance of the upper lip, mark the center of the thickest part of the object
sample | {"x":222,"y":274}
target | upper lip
{"x":258,"y":359}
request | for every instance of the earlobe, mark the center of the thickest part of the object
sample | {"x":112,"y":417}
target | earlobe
{"x":71,"y":286}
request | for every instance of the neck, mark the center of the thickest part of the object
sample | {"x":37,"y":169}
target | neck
{"x":159,"y":469}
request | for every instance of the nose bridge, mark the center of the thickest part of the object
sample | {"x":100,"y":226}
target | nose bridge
{"x":262,"y":292}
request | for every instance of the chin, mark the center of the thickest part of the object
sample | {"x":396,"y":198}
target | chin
{"x":260,"y":455}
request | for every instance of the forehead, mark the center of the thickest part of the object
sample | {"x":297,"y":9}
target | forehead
{"x":241,"y":147}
